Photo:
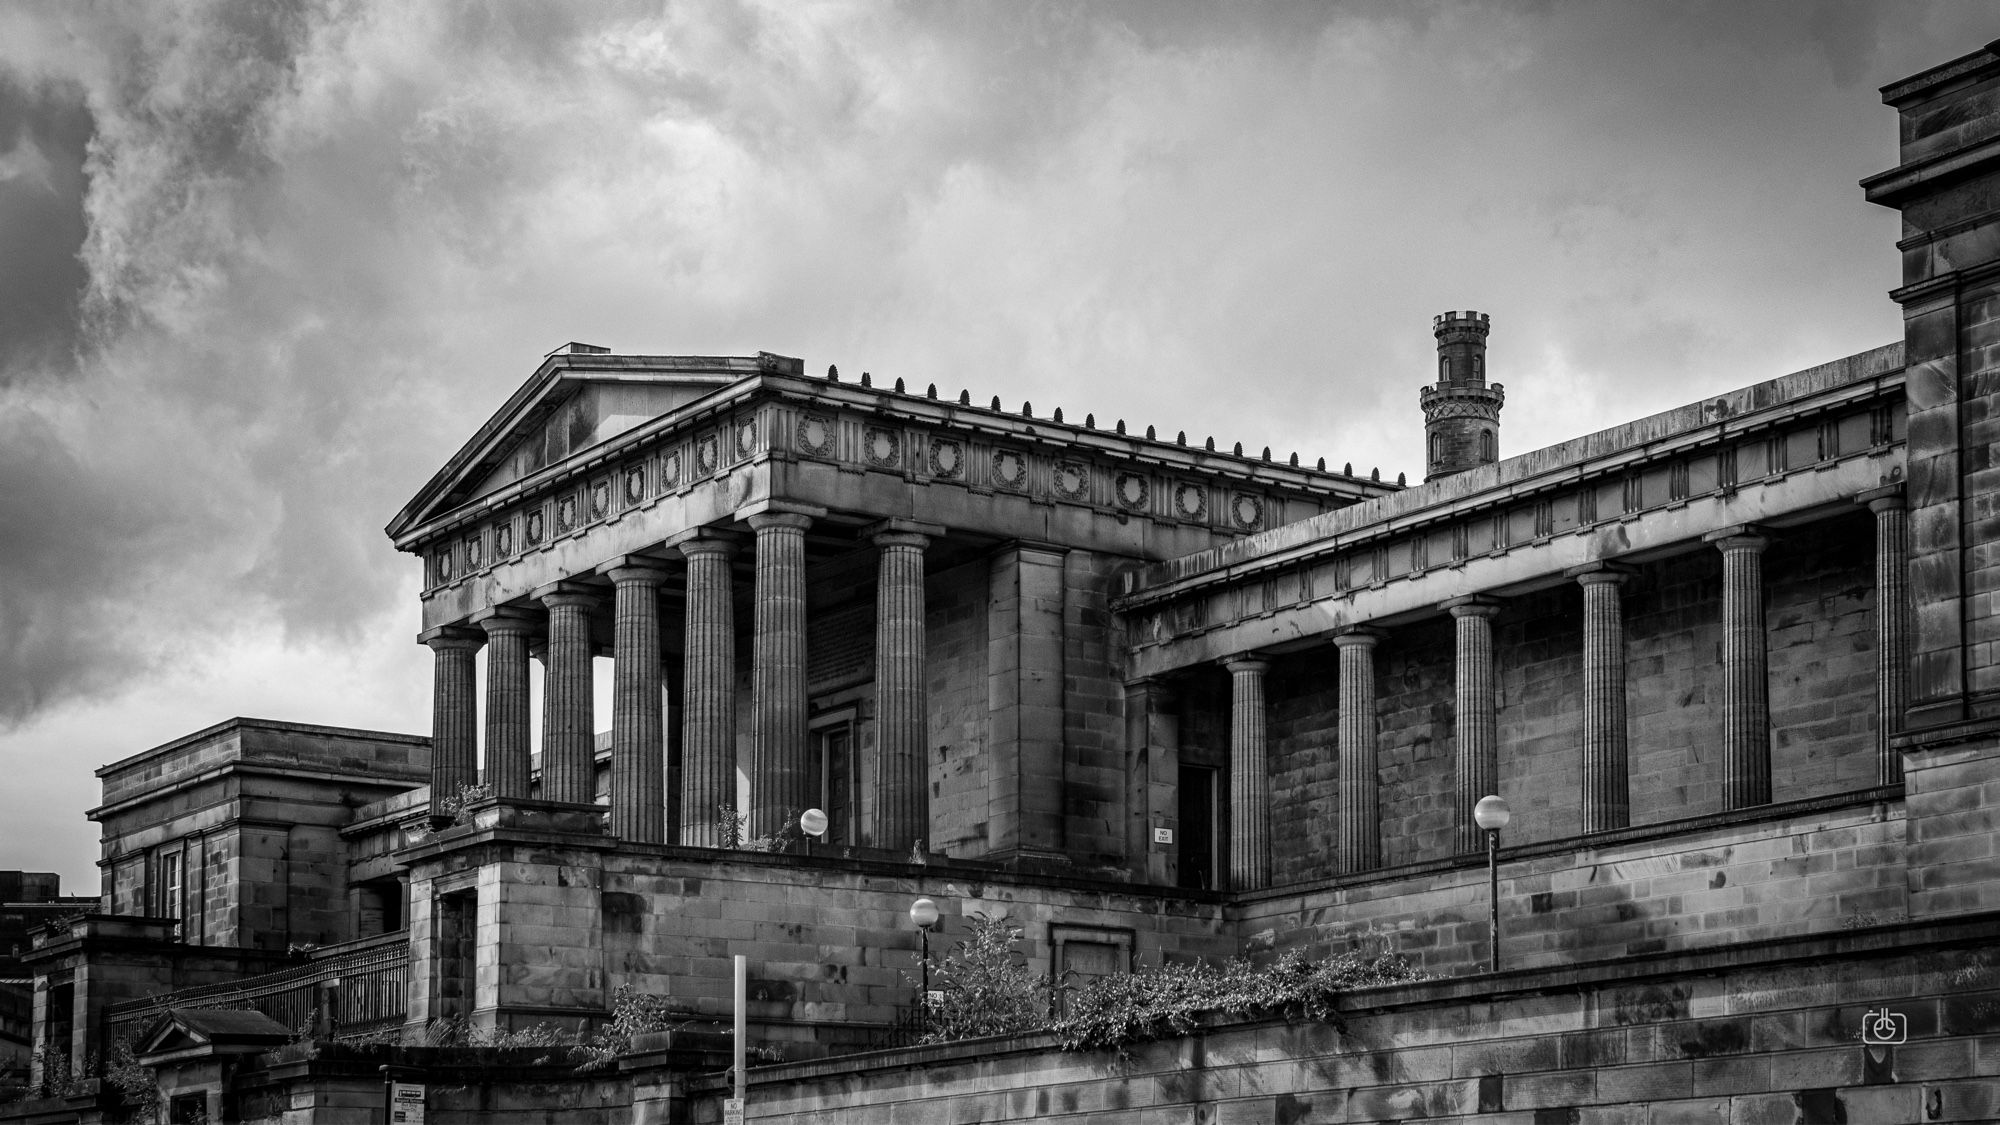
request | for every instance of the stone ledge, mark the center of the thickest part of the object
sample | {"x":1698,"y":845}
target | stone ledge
{"x":1663,"y":830}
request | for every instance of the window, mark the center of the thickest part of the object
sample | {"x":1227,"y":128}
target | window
{"x":1444,"y":368}
{"x":1486,"y":449}
{"x":171,"y":900}
{"x":837,"y":780}
{"x":1199,"y":854}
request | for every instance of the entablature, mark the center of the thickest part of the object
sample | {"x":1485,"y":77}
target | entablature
{"x":1779,"y":463}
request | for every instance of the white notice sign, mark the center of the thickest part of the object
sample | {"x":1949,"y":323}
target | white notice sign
{"x":406,"y":1103}
{"x":1163,"y":835}
{"x":732,"y":1111}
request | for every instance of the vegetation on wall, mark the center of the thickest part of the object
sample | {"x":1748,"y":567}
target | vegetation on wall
{"x":982,"y":986}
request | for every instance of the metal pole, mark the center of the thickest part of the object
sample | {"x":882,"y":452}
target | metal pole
{"x":924,"y":1001}
{"x":1493,"y":898}
{"x":742,"y":1019}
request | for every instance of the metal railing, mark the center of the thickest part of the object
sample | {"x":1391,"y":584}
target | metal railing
{"x":345,"y":991}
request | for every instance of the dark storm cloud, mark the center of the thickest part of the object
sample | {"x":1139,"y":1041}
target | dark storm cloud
{"x":316,"y":244}
{"x":43,"y":132}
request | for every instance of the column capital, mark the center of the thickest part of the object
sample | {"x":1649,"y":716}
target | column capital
{"x":1359,"y":636}
{"x":506,"y":619}
{"x":704,"y":541}
{"x":567,"y":593}
{"x":749,"y":513}
{"x":767,"y":521}
{"x":1742,"y":537}
{"x":1887,"y":498}
{"x":1246,"y":662}
{"x":902,"y":533}
{"x":642,"y":569}
{"x":452,"y":638}
{"x":1601,"y":573}
{"x":1471,"y":605}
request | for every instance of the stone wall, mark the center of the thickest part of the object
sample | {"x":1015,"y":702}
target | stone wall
{"x":1093,"y":714}
{"x":955,"y":667}
{"x":1811,"y":867}
{"x":1734,"y":1037}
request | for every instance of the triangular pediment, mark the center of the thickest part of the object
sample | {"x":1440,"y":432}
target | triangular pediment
{"x":579,"y":398}
{"x":192,"y":1029}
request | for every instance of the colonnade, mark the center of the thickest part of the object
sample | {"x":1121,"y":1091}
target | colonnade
{"x":781,"y":769}
{"x":1602,"y":743}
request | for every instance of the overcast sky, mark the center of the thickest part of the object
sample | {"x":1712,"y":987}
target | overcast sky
{"x":264,"y":267}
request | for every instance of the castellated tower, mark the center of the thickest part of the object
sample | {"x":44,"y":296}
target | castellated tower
{"x":1462,"y":412}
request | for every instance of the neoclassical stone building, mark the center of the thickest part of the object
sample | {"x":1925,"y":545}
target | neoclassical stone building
{"x":1732,"y":666}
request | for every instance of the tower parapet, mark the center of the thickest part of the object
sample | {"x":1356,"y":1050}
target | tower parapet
{"x":1462,"y":410}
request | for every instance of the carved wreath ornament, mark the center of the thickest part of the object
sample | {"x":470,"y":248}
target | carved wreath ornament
{"x":815,"y":435}
{"x":947,"y":458}
{"x":1010,"y":469}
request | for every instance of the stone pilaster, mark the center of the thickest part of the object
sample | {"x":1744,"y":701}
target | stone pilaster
{"x":708,"y":693}
{"x":1892,"y":623}
{"x":1152,"y":781}
{"x":1249,"y":777}
{"x":1476,"y":726}
{"x":782,"y":784}
{"x":569,"y":738}
{"x":902,"y":778}
{"x":1360,"y":816}
{"x":1746,"y":705}
{"x":1607,"y":799}
{"x":508,"y":732}
{"x":454,"y":711}
{"x":638,"y":750}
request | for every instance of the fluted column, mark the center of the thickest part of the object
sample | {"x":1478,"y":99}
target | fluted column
{"x":708,"y":693}
{"x":569,"y":740}
{"x":638,"y":753}
{"x":1607,"y":801}
{"x":1249,"y":777}
{"x":454,"y":711}
{"x":1476,"y":726}
{"x":1746,"y":706}
{"x":902,"y":782}
{"x":1892,"y":623}
{"x":1360,"y":816}
{"x":507,"y":726}
{"x":781,"y":780}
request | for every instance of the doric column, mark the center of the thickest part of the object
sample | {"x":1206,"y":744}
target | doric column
{"x":454,"y":711}
{"x":1607,"y":801}
{"x":638,"y":752}
{"x":1249,"y":776}
{"x":902,"y":781}
{"x":708,"y":693}
{"x":507,"y":727}
{"x":1360,"y":817}
{"x":1746,"y":706}
{"x":1478,"y":772}
{"x":1892,"y":623}
{"x":569,"y":740}
{"x":781,"y":780}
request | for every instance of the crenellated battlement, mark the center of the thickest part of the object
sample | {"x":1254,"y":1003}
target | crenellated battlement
{"x":1468,"y":321}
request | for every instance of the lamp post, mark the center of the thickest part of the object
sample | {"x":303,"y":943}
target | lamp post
{"x":812,"y":822}
{"x":924,"y":915}
{"x":1491,"y":814}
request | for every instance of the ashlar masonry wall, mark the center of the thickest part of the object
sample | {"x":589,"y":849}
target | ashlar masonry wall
{"x":1744,"y":1036}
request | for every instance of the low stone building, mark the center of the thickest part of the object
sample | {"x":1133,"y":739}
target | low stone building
{"x":1732,"y":666}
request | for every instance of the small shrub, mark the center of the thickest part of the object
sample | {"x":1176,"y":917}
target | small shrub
{"x":987,"y":990}
{"x":984,"y":985}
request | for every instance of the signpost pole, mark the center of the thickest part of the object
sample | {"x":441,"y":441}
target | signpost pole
{"x":742,"y":964}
